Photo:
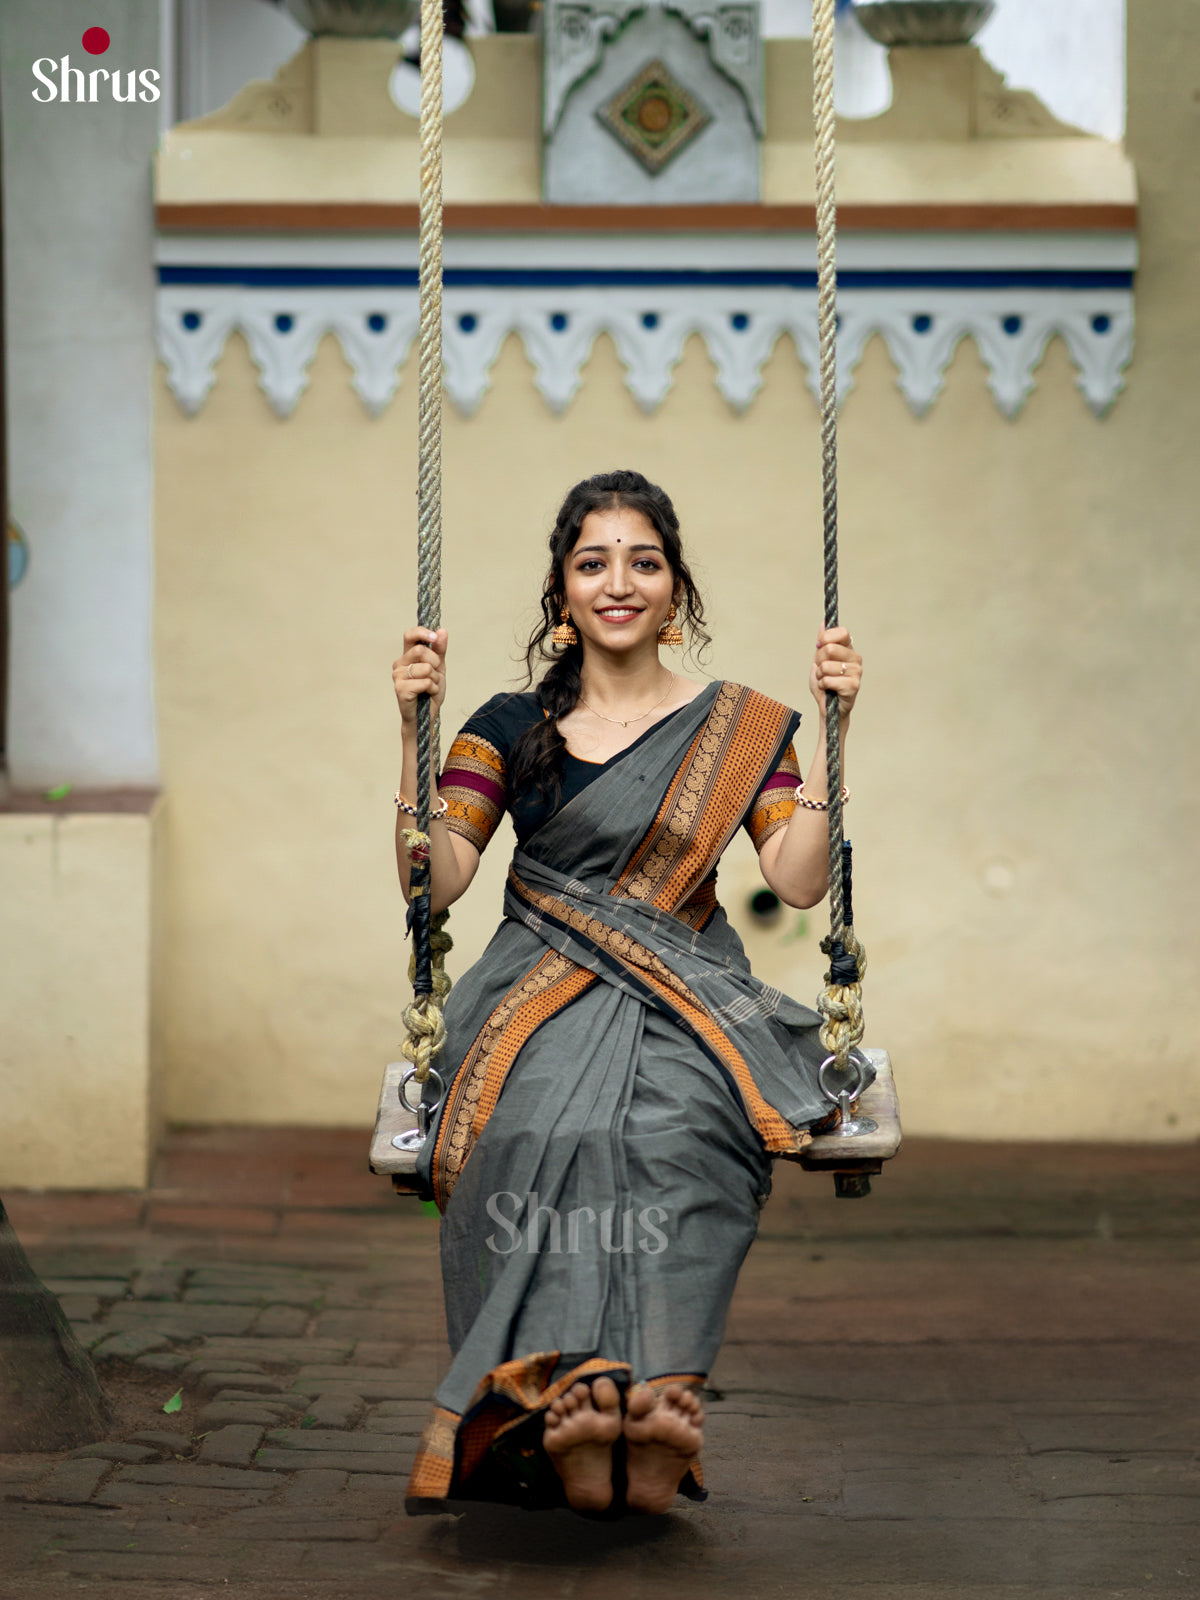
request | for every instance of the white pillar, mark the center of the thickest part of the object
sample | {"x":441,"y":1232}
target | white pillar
{"x":79,"y":307}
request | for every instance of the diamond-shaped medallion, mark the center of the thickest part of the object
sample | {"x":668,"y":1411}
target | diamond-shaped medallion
{"x":654,"y":117}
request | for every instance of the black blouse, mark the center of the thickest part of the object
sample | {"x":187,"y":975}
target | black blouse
{"x":474,"y":781}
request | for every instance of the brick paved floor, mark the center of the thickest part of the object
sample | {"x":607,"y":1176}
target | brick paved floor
{"x":981,"y":1382}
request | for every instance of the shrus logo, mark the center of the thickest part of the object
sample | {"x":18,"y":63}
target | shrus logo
{"x":59,"y":80}
{"x":648,"y":1218}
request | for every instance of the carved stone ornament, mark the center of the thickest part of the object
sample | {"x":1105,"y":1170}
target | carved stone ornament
{"x":929,"y":22}
{"x":574,"y":42}
{"x":353,"y":19}
{"x":652,"y":102}
{"x":654,"y":117}
{"x":734,"y":41}
{"x":577,"y":34}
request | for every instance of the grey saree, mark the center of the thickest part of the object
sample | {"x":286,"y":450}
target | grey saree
{"x":617,"y":1083}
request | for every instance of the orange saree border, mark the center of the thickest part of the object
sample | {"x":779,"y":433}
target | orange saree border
{"x":549,"y":986}
{"x":433,"y":1468}
{"x":723,"y":770}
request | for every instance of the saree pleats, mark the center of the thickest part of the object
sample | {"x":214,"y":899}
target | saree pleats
{"x":620,"y":1083}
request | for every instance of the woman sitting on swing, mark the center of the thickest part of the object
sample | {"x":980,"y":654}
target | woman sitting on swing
{"x":617,"y":1079}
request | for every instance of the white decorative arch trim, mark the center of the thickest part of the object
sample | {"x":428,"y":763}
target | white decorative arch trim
{"x":649,"y":325}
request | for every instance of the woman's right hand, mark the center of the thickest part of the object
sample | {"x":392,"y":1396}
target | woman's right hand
{"x":420,"y":670}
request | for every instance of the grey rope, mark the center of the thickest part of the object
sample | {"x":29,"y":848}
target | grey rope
{"x":423,"y":1017}
{"x":840,"y":1002}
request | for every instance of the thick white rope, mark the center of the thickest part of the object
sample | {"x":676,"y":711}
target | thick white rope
{"x":423,"y":1016}
{"x":840,"y":1003}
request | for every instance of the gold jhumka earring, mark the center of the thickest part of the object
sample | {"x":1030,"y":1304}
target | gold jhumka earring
{"x":564,"y":635}
{"x":671,"y":633}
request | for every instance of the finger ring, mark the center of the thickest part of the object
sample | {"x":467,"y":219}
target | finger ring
{"x":410,"y":669}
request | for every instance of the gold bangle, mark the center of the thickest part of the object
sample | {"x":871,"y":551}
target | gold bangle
{"x":411,"y":811}
{"x":817,"y":805}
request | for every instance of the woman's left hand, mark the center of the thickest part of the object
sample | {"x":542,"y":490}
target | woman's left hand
{"x":836,"y":666}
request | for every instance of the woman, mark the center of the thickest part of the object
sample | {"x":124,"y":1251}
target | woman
{"x":596,"y":1212}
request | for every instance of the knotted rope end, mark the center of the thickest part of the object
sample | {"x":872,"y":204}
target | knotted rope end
{"x":423,"y":1015}
{"x":840,"y":1001}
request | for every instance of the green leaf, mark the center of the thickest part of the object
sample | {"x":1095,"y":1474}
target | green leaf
{"x":59,"y":792}
{"x":175,"y":1403}
{"x":429,"y":1207}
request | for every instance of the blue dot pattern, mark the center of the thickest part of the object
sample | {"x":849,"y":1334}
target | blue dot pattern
{"x":191,"y":320}
{"x":284,"y":322}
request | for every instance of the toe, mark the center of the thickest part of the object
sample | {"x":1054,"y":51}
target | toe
{"x":641,"y":1401}
{"x":605,"y":1395}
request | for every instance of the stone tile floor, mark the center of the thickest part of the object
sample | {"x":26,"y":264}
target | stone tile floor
{"x":981,"y":1382}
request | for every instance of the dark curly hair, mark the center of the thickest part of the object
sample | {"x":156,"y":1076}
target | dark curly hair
{"x":537,"y":756}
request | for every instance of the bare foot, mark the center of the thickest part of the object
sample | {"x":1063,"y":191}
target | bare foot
{"x":581,"y":1428}
{"x":663,"y":1436}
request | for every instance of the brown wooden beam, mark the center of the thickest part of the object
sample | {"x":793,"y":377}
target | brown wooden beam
{"x":467,"y":217}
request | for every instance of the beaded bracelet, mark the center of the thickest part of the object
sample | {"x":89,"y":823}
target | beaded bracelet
{"x":411,"y":811}
{"x":817,"y":805}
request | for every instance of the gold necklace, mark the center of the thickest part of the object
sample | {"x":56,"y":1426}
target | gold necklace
{"x":641,"y":714}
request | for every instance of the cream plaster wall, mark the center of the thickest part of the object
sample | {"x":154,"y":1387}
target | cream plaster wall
{"x":76,"y":1077}
{"x":1024,"y":778}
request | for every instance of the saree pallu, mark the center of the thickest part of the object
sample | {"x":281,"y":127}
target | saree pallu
{"x":620,"y":1081}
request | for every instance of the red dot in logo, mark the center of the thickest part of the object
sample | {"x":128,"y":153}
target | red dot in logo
{"x":96,"y":41}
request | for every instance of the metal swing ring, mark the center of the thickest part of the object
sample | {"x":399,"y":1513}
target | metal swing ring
{"x":844,"y":1098}
{"x":854,"y":1088}
{"x":414,"y":1138}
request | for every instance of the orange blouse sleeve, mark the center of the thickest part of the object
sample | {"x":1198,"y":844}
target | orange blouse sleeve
{"x":775,"y":801}
{"x":473,"y":786}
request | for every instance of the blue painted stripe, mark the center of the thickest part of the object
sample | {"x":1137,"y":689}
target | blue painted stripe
{"x":688,"y":278}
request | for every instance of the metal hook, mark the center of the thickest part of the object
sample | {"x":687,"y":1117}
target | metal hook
{"x":414,"y":1138}
{"x":844,"y":1097}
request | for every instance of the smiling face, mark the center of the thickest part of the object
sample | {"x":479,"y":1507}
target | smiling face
{"x":619,"y":584}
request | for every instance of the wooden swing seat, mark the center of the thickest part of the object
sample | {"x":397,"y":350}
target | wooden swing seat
{"x":852,"y":1160}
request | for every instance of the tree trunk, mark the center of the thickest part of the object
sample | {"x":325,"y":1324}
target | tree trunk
{"x":50,"y":1397}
